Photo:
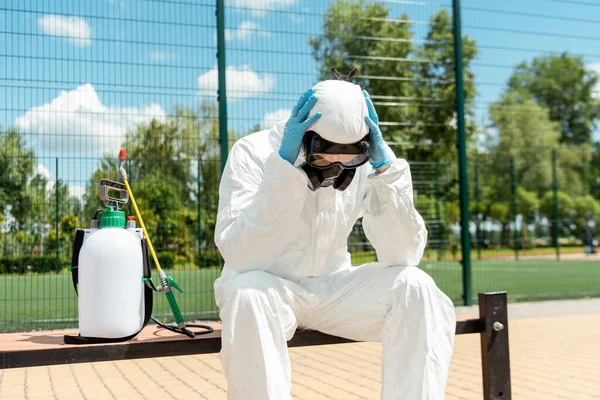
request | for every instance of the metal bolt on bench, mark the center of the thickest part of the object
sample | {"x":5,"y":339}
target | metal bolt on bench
{"x":47,"y":348}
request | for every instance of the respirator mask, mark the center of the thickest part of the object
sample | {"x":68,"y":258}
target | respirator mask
{"x":332,"y":164}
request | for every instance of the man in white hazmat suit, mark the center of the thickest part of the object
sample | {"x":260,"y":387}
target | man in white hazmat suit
{"x":287,"y":263}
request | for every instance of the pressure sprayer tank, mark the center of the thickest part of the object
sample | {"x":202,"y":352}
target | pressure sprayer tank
{"x":111,"y":296}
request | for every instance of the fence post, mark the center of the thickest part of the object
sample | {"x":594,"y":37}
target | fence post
{"x":222,"y":92}
{"x":513,"y":204}
{"x":56,"y":214}
{"x":199,"y":210}
{"x":555,"y":216}
{"x":477,"y":222}
{"x":438,"y":216}
{"x":462,"y":153}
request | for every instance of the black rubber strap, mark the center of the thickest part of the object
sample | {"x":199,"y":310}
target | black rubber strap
{"x":79,"y":235}
{"x":148,"y":303}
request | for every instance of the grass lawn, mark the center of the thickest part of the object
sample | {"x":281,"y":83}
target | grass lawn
{"x":485,"y":254}
{"x":48,"y":301}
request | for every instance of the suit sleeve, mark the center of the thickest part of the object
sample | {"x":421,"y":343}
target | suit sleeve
{"x":392,"y":224}
{"x":259,"y":203}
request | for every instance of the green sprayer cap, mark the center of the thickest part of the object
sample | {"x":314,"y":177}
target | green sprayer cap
{"x":112,"y":218}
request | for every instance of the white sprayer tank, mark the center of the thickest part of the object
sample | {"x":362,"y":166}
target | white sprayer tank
{"x":111,"y":290}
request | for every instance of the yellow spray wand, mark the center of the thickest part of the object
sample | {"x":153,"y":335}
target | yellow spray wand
{"x":165,"y":281}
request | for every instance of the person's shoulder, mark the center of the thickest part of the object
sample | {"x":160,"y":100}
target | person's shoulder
{"x":255,"y":141}
{"x":253,"y":148}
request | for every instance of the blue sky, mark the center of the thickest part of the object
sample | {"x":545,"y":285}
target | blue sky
{"x":75,"y":75}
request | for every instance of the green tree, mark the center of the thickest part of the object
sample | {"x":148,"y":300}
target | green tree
{"x":412,"y":87}
{"x":528,"y":203}
{"x":519,"y":155}
{"x":68,"y":226}
{"x":173,"y":169}
{"x":434,"y":116}
{"x":565,"y":208}
{"x":586,"y":208}
{"x":525,"y":136}
{"x":44,"y":211}
{"x":38,"y":213}
{"x":573,"y":163}
{"x":564,"y":85}
{"x":17,"y":168}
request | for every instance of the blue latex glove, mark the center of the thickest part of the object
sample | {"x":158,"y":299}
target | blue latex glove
{"x":297,"y":125}
{"x":379,"y":155}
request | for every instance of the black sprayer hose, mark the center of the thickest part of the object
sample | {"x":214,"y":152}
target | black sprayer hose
{"x":185,"y":331}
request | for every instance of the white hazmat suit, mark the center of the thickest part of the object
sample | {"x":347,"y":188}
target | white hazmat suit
{"x":287,"y":264}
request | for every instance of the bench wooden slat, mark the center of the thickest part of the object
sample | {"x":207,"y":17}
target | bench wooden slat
{"x":47,"y":348}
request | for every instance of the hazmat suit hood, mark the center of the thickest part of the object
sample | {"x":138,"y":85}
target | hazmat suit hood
{"x":343,"y":110}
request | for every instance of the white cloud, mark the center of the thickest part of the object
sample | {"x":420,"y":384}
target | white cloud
{"x":76,"y":191}
{"x":43,"y":171}
{"x":118,"y":2}
{"x":242,"y":82}
{"x":77,"y":123}
{"x":245,"y":31}
{"x":296,"y":18}
{"x":258,"y":7}
{"x":596,"y":69}
{"x":74,"y":29}
{"x":272,"y":117}
{"x":161,"y":56}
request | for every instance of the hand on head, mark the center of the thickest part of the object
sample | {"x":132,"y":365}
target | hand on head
{"x":297,"y":125}
{"x":379,"y":156}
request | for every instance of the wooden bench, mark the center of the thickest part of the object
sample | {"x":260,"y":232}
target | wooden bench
{"x":19,"y":350}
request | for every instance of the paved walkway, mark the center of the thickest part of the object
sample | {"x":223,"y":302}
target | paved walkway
{"x":554,"y":357}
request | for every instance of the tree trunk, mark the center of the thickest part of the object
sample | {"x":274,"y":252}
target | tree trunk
{"x":41,"y":231}
{"x":524,"y":229}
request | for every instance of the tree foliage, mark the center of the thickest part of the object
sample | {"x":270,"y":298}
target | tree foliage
{"x":17,"y":169}
{"x":412,"y":85}
{"x":173,"y":170}
{"x":563,"y":85}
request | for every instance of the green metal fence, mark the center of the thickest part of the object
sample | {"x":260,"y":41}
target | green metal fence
{"x":505,"y":174}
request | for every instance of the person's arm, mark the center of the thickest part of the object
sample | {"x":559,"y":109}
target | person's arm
{"x":392,"y":224}
{"x":257,"y":208}
{"x":390,"y":220}
{"x":260,"y":202}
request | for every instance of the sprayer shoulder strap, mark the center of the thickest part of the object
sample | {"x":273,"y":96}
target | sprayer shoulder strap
{"x":148,"y":302}
{"x":79,"y":236}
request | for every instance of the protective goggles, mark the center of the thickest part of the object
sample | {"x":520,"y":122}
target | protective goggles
{"x":321,"y":153}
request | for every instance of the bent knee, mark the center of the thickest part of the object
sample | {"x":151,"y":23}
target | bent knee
{"x":414,"y":285}
{"x":254,"y":296}
{"x":414,"y":277}
{"x":255,"y":280}
{"x":243,"y":288}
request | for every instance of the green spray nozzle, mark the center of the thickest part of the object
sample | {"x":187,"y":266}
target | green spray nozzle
{"x":175,"y":309}
{"x":174,"y":284}
{"x":166,"y":282}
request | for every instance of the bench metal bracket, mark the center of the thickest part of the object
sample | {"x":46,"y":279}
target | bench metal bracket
{"x":495,"y":358}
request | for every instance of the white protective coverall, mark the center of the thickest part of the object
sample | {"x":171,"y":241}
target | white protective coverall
{"x":287,"y":265}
